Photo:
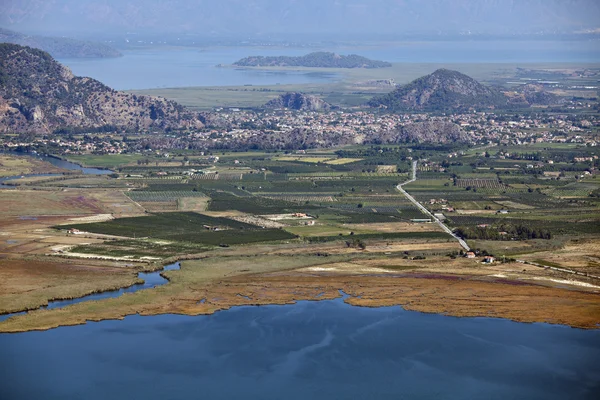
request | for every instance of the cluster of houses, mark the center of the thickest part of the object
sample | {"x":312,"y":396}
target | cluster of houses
{"x":444,"y":204}
{"x":486,"y":259}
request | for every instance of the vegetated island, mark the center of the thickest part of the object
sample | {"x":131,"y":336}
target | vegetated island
{"x":313,"y":60}
{"x":60,"y":47}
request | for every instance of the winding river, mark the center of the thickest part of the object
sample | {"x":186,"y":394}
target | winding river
{"x":57,"y":162}
{"x":151,"y":280}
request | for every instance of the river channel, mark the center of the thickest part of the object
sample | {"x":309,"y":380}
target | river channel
{"x":57,"y":162}
{"x":151,"y":280}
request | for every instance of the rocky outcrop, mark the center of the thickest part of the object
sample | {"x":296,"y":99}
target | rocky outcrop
{"x":442,"y":90}
{"x":434,"y":131}
{"x":299,"y":101}
{"x":39,"y":95}
{"x":536,"y":95}
{"x":446,"y":90}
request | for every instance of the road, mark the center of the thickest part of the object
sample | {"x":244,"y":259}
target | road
{"x":461,"y":241}
{"x":426,"y":211}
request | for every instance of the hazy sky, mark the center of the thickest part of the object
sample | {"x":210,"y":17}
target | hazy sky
{"x":289,"y":17}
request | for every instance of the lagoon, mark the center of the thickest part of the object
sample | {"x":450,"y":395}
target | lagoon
{"x":316,"y":350}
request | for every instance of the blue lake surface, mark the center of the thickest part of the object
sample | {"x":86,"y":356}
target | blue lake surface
{"x":185,"y":67}
{"x":310,"y":350}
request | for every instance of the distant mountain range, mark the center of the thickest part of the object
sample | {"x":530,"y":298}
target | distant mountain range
{"x":60,"y":47}
{"x":299,"y":101}
{"x":293,"y":17}
{"x":39,"y":95}
{"x":313,"y":60}
{"x":447,"y":90}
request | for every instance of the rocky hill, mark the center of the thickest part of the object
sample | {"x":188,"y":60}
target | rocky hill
{"x":532,"y":94}
{"x":442,"y":90}
{"x":434,"y":131}
{"x":313,"y":60}
{"x":60,"y":47}
{"x":299,"y":101}
{"x":37,"y":94}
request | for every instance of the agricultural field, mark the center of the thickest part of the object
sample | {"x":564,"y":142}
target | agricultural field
{"x":305,"y":159}
{"x":483,"y":183}
{"x":358,"y":185}
{"x":162,"y":196}
{"x":333,"y":210}
{"x":342,"y":161}
{"x":109,"y":161}
{"x":32,"y":203}
{"x":184,"y":227}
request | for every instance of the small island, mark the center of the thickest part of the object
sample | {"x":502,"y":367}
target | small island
{"x":313,"y":60}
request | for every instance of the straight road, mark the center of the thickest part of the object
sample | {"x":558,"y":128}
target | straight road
{"x":425,"y":210}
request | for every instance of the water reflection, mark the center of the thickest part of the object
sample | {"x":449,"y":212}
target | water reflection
{"x":317,"y":350}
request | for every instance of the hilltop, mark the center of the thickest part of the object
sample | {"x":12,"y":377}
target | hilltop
{"x":60,"y":47}
{"x":442,"y":90}
{"x":313,"y":60}
{"x":37,"y":94}
{"x":298,"y":101}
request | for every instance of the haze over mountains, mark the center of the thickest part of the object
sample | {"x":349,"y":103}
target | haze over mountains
{"x":339,"y":17}
{"x":60,"y":47}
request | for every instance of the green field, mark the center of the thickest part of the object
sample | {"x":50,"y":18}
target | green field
{"x":185,"y":227}
{"x":105,"y":161}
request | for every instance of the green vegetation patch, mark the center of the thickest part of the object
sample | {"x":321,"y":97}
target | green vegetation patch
{"x":380,"y":236}
{"x":185,"y":227}
{"x":223,"y":201}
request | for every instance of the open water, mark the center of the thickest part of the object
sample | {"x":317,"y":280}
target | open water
{"x":186,"y":67}
{"x":310,"y":350}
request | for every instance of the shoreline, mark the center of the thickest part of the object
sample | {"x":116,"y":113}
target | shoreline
{"x":461,"y":297}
